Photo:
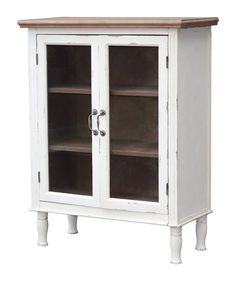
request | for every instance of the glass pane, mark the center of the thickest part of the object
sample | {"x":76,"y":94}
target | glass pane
{"x":69,"y":104}
{"x":133,"y":78}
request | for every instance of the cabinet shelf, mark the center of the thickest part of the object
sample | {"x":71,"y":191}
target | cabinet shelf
{"x":70,"y":89}
{"x":73,"y":145}
{"x":121,"y":148}
{"x":134,"y":148}
{"x":134,"y":91}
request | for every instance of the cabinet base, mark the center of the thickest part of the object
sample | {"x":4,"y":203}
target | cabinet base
{"x":175,"y":232}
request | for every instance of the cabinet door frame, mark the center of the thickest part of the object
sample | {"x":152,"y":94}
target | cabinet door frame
{"x":45,"y":194}
{"x":124,"y":204}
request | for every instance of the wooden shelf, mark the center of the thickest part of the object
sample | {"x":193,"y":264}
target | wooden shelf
{"x":131,"y":148}
{"x":121,"y":148}
{"x":115,"y":91}
{"x":73,"y":89}
{"x":135,"y":197}
{"x":135,"y":91}
{"x":73,"y":145}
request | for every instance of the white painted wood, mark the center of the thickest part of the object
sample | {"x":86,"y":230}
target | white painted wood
{"x":201,"y":232}
{"x":45,"y":194}
{"x":101,"y":156}
{"x":42,"y":225}
{"x":33,"y":119}
{"x":95,"y":95}
{"x":172,"y":127}
{"x":193,"y":158}
{"x":176,"y":244}
{"x":72,"y":223}
{"x":104,"y":148}
{"x":151,"y":218}
{"x":134,"y":205}
{"x":195,"y":217}
{"x":189,"y":124}
{"x":104,"y":31}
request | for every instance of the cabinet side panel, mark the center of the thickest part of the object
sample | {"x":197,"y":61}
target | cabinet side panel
{"x":33,"y":118}
{"x":172,"y":126}
{"x":193,"y":153}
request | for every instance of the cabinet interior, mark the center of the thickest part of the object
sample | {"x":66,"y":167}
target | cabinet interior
{"x":70,"y":172}
{"x":134,"y":122}
{"x":133,"y":84}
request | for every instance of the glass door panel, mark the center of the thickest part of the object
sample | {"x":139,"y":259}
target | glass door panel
{"x":133,"y":84}
{"x":69,"y":105}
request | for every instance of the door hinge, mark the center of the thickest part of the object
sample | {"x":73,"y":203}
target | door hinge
{"x":37,"y":59}
{"x":39,"y":177}
{"x":167,"y":62}
{"x":167,"y":188}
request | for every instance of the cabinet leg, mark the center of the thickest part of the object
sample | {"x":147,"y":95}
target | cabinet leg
{"x":201,"y":231}
{"x":176,"y":244}
{"x":42,"y":225}
{"x":72,"y":221}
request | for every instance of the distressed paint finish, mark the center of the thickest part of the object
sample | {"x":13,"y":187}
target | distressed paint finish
{"x":194,"y":123}
{"x":172,"y":127}
{"x":45,"y":194}
{"x":114,"y":214}
{"x":189,"y":124}
{"x":100,"y":101}
{"x":132,"y":205}
{"x":33,"y":98}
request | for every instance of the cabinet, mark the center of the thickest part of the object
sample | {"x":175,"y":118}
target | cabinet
{"x":120,"y":121}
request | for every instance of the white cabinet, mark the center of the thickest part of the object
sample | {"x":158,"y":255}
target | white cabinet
{"x":120,"y":121}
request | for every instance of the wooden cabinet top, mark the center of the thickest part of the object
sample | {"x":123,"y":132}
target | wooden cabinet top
{"x":119,"y":22}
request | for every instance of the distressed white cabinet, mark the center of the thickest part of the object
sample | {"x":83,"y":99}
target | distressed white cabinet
{"x":120,"y":121}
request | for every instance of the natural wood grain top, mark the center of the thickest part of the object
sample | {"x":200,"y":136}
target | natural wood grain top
{"x":119,"y":22}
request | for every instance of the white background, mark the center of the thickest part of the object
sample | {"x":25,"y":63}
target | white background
{"x":111,"y":250}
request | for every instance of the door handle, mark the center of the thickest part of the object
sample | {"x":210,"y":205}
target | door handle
{"x":101,"y":113}
{"x":94,"y":112}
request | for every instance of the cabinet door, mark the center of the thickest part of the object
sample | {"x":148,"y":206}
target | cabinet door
{"x":67,"y":97}
{"x":134,"y":122}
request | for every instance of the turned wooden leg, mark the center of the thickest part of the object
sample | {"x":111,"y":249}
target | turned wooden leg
{"x":201,"y":231}
{"x":176,"y":244}
{"x":42,"y":224}
{"x":72,"y":221}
